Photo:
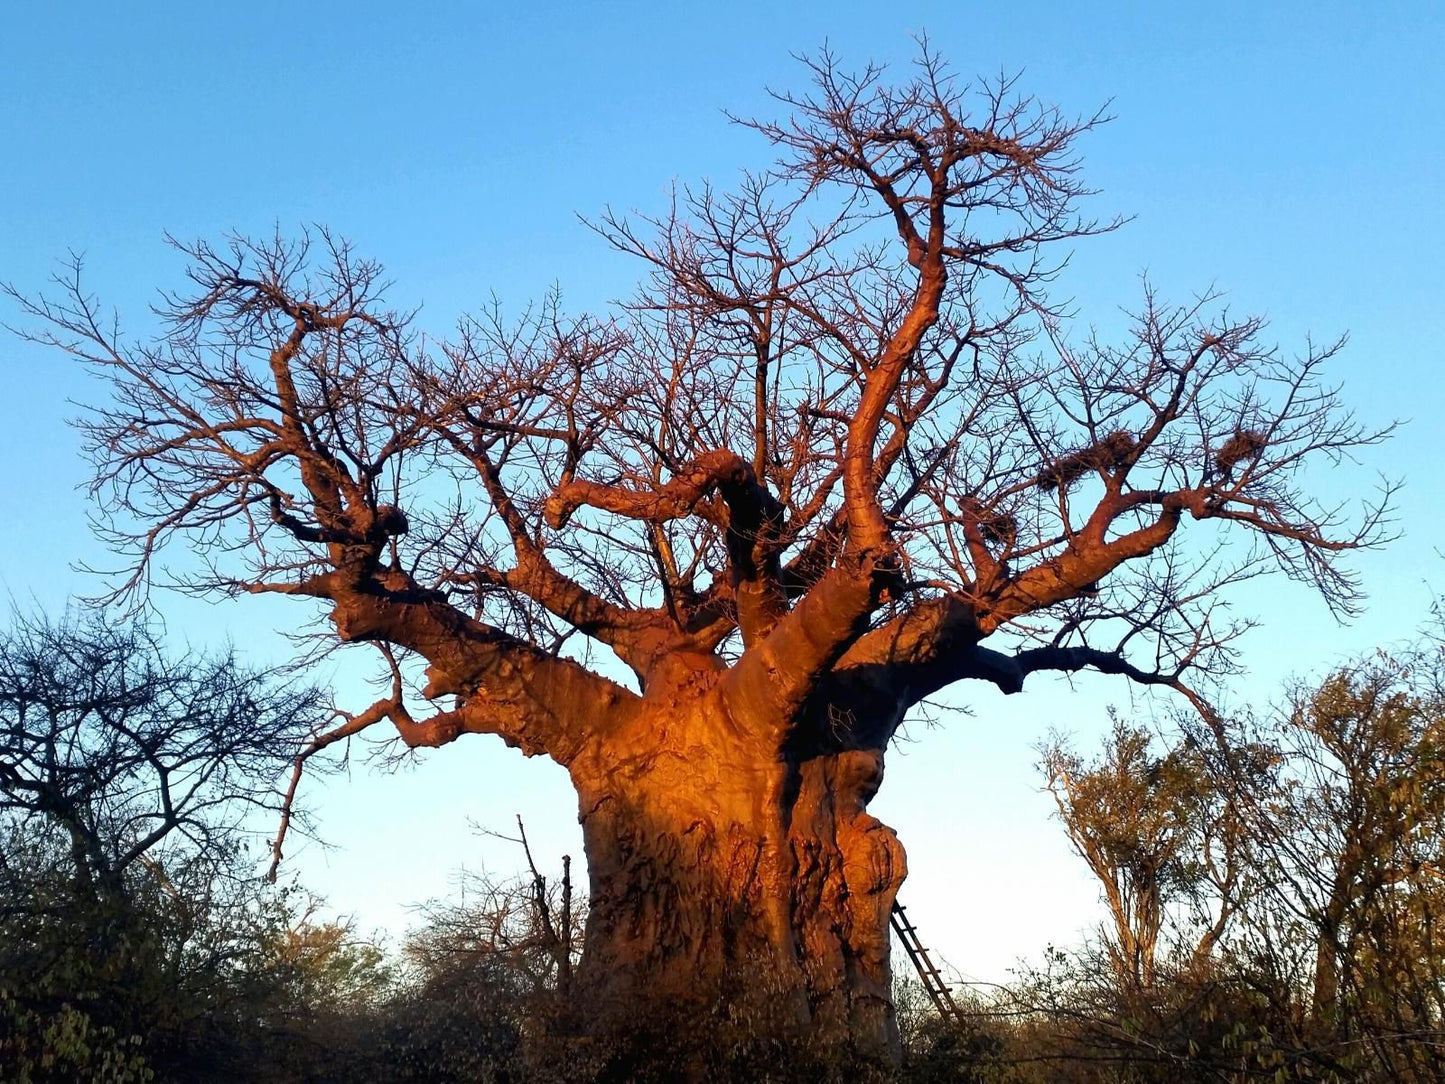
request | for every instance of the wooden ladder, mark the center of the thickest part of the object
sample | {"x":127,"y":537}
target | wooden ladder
{"x":933,"y":982}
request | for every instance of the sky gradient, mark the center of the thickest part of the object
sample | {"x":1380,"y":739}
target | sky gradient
{"x":1290,"y":157}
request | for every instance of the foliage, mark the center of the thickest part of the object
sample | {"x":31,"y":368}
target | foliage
{"x":1161,"y":836}
{"x":485,"y":990}
{"x":129,"y":922}
{"x":1350,"y":842}
{"x":64,"y":1047}
{"x":1329,"y":965}
{"x":1328,"y":968}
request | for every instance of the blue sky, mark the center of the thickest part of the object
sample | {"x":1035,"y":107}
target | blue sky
{"x":1289,"y":154}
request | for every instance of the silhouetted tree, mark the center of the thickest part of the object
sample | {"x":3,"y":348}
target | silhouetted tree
{"x":126,"y":774}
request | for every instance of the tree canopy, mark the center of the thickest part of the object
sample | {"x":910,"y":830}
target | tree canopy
{"x":840,"y":423}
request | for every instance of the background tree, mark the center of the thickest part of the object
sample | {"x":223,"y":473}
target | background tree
{"x":1317,"y":832}
{"x":1161,"y":835}
{"x":125,"y":776}
{"x":1350,"y":844}
{"x":487,"y":979}
{"x":836,"y":454}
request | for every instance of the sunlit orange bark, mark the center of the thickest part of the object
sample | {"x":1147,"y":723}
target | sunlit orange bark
{"x":726,"y":867}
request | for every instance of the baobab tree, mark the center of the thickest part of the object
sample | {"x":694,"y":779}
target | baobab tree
{"x":706,"y":551}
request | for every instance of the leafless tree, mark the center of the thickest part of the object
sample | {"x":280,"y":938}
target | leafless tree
{"x":523,"y":932}
{"x":132,"y":757}
{"x":837,"y":453}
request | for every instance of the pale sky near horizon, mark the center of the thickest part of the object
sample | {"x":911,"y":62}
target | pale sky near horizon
{"x":1289,"y":154}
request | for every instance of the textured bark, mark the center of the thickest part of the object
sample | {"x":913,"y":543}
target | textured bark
{"x":1325,"y":990}
{"x":723,"y":875}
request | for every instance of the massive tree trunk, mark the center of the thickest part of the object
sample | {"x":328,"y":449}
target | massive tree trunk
{"x":735,"y":872}
{"x":730,"y":875}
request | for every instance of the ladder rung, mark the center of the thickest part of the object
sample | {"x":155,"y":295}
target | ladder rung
{"x":929,"y":974}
